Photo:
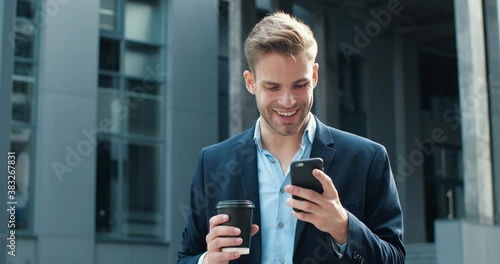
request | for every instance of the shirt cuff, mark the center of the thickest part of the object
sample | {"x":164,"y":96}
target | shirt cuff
{"x":338,"y":248}
{"x":202,"y":258}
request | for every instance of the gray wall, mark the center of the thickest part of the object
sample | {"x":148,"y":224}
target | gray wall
{"x":192,"y":101}
{"x":67,"y":105}
{"x":464,"y":242}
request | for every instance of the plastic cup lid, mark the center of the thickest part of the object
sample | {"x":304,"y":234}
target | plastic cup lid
{"x":235,"y":203}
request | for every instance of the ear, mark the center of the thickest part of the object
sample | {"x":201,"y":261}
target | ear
{"x":249,"y":81}
{"x":315,"y":74}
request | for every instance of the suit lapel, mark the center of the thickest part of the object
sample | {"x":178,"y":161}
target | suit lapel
{"x":246,"y":156}
{"x":323,"y":148}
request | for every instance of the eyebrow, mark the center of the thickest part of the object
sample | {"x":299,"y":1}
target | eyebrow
{"x":275,"y":83}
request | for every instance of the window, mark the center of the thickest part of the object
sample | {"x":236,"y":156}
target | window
{"x":131,"y":106}
{"x":444,"y":186}
{"x":23,"y":104}
{"x":352,"y":114}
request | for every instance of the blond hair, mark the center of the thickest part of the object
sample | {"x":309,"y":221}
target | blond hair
{"x":281,"y":33}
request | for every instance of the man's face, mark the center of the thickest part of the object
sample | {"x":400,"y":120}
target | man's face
{"x":283,"y":88}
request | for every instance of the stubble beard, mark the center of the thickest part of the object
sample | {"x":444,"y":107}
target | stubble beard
{"x":285,"y":129}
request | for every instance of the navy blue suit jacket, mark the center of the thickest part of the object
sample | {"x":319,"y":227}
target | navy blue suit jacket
{"x":360,"y":171}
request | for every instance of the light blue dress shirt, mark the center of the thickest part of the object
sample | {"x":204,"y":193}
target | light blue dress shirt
{"x":277,"y":221}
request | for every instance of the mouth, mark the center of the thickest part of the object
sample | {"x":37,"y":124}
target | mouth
{"x":287,"y":113}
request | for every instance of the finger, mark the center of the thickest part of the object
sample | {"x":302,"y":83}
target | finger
{"x":222,"y":231}
{"x":306,"y":206}
{"x":220,"y":242}
{"x":305,"y":193}
{"x":326,"y":182}
{"x":255,"y":229}
{"x":217,"y":220}
{"x":304,"y":216}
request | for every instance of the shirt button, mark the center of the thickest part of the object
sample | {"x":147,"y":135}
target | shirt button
{"x":282,"y":190}
{"x":281,"y":225}
{"x":282,"y":260}
{"x":273,"y":161}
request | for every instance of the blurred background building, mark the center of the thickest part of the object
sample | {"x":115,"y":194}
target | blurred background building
{"x":107,"y":103}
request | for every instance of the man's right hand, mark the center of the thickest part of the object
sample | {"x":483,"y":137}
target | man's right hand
{"x":223,"y":236}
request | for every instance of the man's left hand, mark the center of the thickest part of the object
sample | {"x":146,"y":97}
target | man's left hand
{"x":322,"y":210}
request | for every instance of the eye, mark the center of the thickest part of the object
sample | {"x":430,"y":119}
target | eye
{"x":272,"y":88}
{"x":301,"y":85}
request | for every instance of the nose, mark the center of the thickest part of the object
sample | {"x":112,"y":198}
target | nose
{"x":287,"y":99}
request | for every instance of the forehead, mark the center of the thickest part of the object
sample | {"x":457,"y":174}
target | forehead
{"x":279,"y":67}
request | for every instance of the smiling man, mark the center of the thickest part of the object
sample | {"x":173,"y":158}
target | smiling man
{"x":357,"y":218}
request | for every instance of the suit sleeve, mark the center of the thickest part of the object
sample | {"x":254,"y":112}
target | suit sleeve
{"x":379,"y":238}
{"x":196,"y":229}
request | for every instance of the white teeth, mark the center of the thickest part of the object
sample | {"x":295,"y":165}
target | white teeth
{"x":286,"y":113}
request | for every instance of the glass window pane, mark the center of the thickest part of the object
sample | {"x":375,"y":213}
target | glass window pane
{"x":139,"y":58}
{"x":106,"y":81}
{"x":23,"y":69}
{"x":143,"y":190}
{"x":108,"y":14}
{"x":144,"y":117}
{"x":109,"y":55}
{"x":25,"y":32}
{"x":25,"y":27}
{"x":25,"y":8}
{"x":143,"y":21}
{"x":111,"y":111}
{"x":107,"y":186}
{"x":24,"y":47}
{"x":22,"y":97}
{"x":21,"y":144}
{"x":145,"y":86}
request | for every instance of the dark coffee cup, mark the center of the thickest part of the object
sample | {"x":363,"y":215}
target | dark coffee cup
{"x":240,"y":215}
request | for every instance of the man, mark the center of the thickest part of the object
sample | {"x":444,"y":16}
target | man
{"x":357,"y":218}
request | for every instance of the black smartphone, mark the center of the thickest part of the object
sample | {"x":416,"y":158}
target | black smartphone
{"x":301,"y":175}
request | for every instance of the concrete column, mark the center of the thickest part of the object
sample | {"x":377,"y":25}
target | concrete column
{"x":378,"y":94}
{"x":407,"y":163}
{"x":327,"y":107}
{"x":283,"y":5}
{"x":476,"y":145}
{"x":492,"y":24}
{"x":242,"y":107}
{"x":64,"y":199}
{"x":192,"y":110}
{"x":7,"y":15}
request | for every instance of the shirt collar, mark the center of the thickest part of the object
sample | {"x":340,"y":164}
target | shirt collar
{"x":307,"y":138}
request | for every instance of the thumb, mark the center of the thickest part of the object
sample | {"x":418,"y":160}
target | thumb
{"x":255,"y":229}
